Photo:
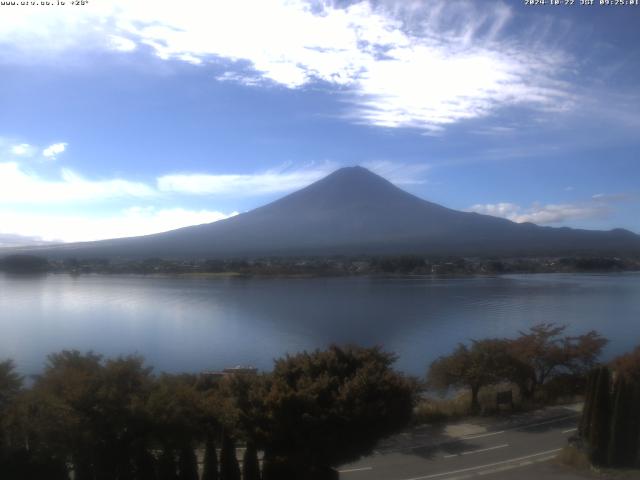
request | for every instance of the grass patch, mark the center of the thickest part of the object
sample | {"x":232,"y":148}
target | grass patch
{"x":436,"y":410}
{"x":576,"y":459}
{"x":572,"y":457}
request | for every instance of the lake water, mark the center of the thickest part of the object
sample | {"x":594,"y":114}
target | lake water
{"x":193,"y":324}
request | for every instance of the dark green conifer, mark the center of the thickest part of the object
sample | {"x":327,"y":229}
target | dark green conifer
{"x":187,"y":464}
{"x":145,"y":465}
{"x":250,"y":464}
{"x":619,"y":427}
{"x":634,"y":424}
{"x":583,"y":428}
{"x":229,"y":468}
{"x":599,"y":427}
{"x":167,"y":465}
{"x":210,"y":468}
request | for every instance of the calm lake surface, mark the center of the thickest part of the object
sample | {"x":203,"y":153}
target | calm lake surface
{"x":193,"y":324}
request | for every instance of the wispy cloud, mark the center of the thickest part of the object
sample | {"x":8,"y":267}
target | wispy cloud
{"x":398,"y":172}
{"x":543,"y":214}
{"x":52,"y":151}
{"x":613,"y":197}
{"x":280,"y":180}
{"x":21,"y":186}
{"x":409,"y":64}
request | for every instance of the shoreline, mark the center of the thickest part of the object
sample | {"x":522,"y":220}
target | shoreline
{"x":308,"y":276}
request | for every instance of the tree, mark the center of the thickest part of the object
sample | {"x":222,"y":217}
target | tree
{"x":144,"y":465}
{"x":63,"y":410}
{"x":229,"y":468}
{"x":210,"y":467}
{"x":93,"y":412}
{"x":483,"y":363}
{"x":178,"y":411}
{"x":250,"y":465}
{"x":329,"y":407}
{"x":623,"y":441}
{"x":610,"y":425}
{"x":541,"y":352}
{"x":600,"y":419}
{"x":625,"y":433}
{"x":628,"y":365}
{"x":167,"y":468}
{"x":587,"y":409}
{"x":187,"y":464}
{"x":10,"y":384}
{"x":13,"y":455}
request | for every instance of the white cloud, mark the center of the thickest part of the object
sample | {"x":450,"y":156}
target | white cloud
{"x":414,"y":64}
{"x":19,"y":186}
{"x":277,"y":180}
{"x":52,"y":151}
{"x":542,"y":214}
{"x":23,"y":150}
{"x":129,"y":222}
{"x":122,"y":44}
{"x":280,"y":180}
{"x":504,"y":209}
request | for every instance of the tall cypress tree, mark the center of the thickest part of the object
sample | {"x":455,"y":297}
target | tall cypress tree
{"x":187,"y":464}
{"x":585,"y":421}
{"x":167,"y":465}
{"x":634,"y":423}
{"x":600,"y":419}
{"x":619,"y":427}
{"x":250,"y":464}
{"x":229,"y":468}
{"x":145,"y":465}
{"x":210,"y":469}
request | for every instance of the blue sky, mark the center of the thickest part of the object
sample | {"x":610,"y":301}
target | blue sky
{"x":123,"y":118}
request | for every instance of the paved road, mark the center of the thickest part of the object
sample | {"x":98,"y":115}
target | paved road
{"x":491,"y":455}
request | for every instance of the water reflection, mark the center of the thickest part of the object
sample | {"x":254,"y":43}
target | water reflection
{"x":195,"y":323}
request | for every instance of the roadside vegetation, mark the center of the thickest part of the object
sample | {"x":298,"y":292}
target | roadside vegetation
{"x":541,"y":366}
{"x":89,"y":417}
{"x":609,"y":431}
{"x":86,"y":417}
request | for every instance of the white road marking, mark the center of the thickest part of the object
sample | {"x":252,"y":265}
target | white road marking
{"x":480,"y":467}
{"x":469,"y":452}
{"x":350,"y":470}
{"x":543,"y":423}
{"x":472,"y":437}
{"x":569,"y":430}
{"x":486,"y":449}
{"x":517,"y":465}
{"x":501,"y":469}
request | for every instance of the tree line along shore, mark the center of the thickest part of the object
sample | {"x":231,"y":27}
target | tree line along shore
{"x":89,"y":417}
{"x":327,"y":266}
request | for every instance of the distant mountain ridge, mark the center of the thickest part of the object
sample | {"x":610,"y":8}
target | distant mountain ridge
{"x":353,"y":211}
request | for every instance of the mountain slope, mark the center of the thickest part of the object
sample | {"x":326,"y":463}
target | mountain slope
{"x":353,"y":211}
